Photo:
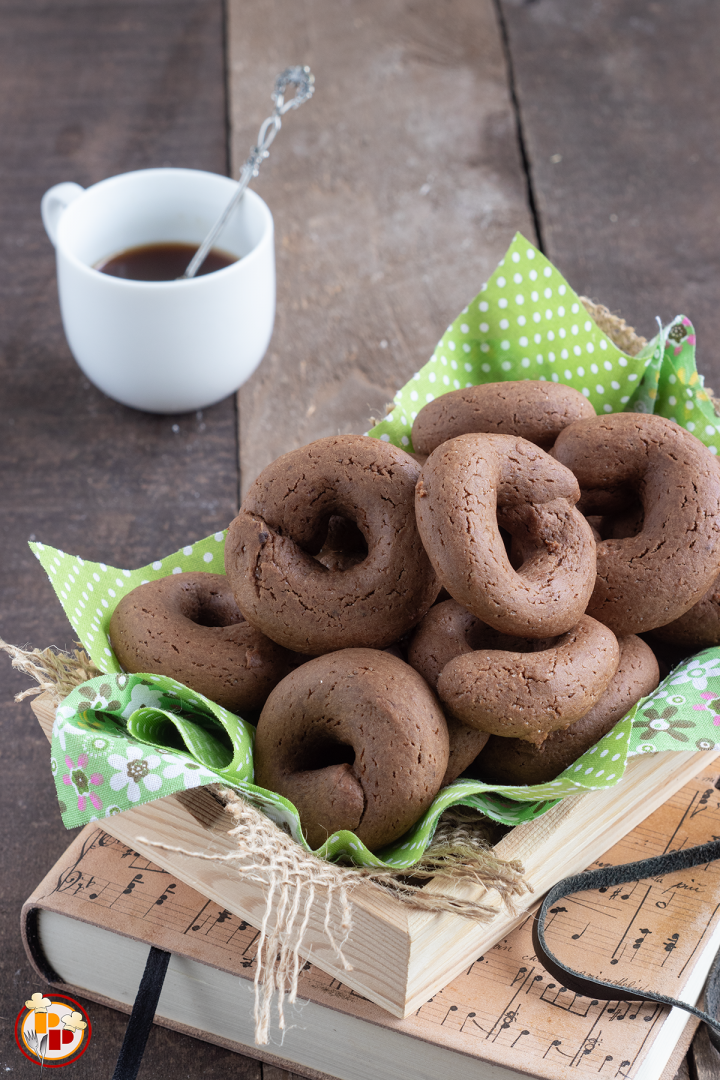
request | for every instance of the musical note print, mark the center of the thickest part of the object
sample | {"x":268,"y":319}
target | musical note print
{"x":670,"y":945}
{"x":169,"y":890}
{"x":640,"y":941}
{"x":135,"y":881}
{"x":555,"y":1046}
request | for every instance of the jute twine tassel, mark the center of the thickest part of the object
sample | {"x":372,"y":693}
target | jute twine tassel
{"x":293,"y":877}
{"x":55,"y":672}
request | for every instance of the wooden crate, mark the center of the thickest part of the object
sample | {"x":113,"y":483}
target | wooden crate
{"x":401,"y":957}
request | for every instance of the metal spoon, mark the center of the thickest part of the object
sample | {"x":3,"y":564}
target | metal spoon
{"x":304,"y":81}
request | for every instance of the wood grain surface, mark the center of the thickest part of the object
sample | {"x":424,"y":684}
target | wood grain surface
{"x":395,"y":192}
{"x":618,"y":104}
{"x":89,"y":90}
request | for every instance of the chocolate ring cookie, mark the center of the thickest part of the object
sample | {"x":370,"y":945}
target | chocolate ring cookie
{"x":449,"y":630}
{"x":533,"y":410}
{"x":471,"y":485}
{"x":283,"y":522}
{"x":515,"y":761}
{"x":356,"y":740}
{"x":527,"y":695}
{"x":189,"y":627}
{"x":654,"y":577}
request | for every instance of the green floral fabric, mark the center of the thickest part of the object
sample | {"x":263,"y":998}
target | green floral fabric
{"x":121,"y":740}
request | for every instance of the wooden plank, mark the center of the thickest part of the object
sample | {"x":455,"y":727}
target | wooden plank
{"x":395,"y":191}
{"x":622,"y":146}
{"x":619,"y":102}
{"x":89,"y":90}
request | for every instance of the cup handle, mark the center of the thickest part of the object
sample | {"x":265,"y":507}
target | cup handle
{"x":54,"y":202}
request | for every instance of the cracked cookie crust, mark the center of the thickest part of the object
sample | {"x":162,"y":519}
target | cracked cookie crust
{"x":652,"y":578}
{"x":356,"y":740}
{"x":273,"y":548}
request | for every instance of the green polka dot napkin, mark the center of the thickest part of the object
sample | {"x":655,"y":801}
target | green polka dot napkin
{"x":89,"y":592}
{"x":527,"y":323}
{"x":120,"y":740}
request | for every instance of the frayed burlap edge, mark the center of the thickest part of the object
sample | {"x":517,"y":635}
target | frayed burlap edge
{"x":460,"y":851}
{"x":55,"y":672}
{"x":625,"y":338}
{"x":617,"y":329}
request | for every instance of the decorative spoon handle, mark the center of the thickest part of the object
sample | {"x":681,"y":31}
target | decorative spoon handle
{"x":304,"y":81}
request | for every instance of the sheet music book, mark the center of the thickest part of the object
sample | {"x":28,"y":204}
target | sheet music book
{"x":92,"y":919}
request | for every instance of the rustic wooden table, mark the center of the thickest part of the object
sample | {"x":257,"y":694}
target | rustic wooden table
{"x":436,"y":132}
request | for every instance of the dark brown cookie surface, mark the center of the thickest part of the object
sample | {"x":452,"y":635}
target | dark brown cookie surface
{"x":514,"y":761}
{"x":356,"y":740}
{"x":269,"y":554}
{"x":697,"y":628}
{"x":472,"y":485}
{"x":527,"y":695}
{"x":531,"y":409}
{"x":652,"y":578}
{"x":189,"y":627}
{"x":449,"y":630}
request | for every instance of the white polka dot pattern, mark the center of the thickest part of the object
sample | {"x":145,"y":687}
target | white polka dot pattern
{"x":89,"y":592}
{"x":529,"y":324}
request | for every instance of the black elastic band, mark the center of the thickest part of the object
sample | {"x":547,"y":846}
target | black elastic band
{"x":142,"y":1015}
{"x":621,"y":875}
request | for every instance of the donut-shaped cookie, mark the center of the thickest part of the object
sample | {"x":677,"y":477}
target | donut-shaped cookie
{"x":527,"y":695}
{"x":699,"y":627}
{"x":188,"y":626}
{"x":514,"y":761}
{"x":531,"y":409}
{"x":356,"y":740}
{"x":654,"y":577}
{"x":471,"y":485}
{"x":449,"y":630}
{"x":292,"y":597}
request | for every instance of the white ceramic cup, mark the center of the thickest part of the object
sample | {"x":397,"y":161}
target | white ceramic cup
{"x":162,"y":346}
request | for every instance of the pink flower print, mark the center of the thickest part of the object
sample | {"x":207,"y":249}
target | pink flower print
{"x":707,"y":697}
{"x":76,"y":777}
